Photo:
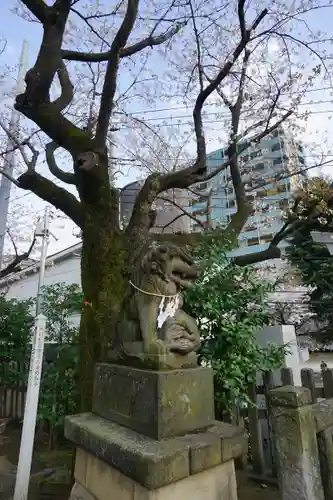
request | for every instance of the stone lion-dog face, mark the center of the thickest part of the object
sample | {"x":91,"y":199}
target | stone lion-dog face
{"x":172,"y":269}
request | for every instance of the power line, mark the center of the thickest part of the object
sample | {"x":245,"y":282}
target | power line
{"x":164,"y":124}
{"x":224,"y":113}
{"x":319,"y":89}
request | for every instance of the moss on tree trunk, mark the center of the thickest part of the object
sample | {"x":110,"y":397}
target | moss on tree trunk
{"x":103,"y":268}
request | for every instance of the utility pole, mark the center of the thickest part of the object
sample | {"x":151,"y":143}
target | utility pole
{"x":35,"y":371}
{"x":5,"y":185}
{"x":44,"y":232}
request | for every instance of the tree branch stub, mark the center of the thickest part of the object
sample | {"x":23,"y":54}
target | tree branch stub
{"x":67,"y":177}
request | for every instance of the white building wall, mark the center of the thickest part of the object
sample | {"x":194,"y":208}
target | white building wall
{"x":67,"y":271}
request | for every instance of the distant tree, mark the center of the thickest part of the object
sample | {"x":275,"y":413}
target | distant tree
{"x":312,"y":260}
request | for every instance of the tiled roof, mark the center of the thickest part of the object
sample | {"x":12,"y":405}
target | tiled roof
{"x":313,"y":345}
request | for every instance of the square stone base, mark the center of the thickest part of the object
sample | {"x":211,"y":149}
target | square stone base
{"x":96,"y":480}
{"x":150,"y":463}
{"x":157,"y":404}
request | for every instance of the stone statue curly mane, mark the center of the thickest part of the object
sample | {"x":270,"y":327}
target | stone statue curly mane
{"x":154,"y":326}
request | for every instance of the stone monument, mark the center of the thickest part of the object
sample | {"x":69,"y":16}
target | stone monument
{"x":152,"y":433}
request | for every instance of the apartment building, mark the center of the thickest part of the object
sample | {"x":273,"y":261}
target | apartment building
{"x":266,"y":170}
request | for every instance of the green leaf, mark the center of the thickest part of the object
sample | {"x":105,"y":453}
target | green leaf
{"x":229,"y":304}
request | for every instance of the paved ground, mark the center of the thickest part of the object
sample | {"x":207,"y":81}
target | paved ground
{"x":250,"y":490}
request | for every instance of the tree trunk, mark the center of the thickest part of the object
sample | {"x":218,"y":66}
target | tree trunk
{"x":106,"y":265}
{"x":104,"y":268}
{"x":104,"y":285}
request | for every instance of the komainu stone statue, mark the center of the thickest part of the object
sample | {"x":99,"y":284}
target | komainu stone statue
{"x":154,"y":330}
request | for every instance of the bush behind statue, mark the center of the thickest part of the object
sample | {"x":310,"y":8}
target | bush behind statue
{"x":229,"y":304}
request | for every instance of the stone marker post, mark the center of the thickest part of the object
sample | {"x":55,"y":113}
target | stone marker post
{"x":323,"y":419}
{"x":297,"y":457}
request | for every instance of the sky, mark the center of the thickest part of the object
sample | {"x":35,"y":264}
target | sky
{"x":14,"y":30}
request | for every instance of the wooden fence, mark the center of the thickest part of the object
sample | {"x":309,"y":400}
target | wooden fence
{"x":257,"y":418}
{"x":12,"y":403}
{"x":12,"y":394}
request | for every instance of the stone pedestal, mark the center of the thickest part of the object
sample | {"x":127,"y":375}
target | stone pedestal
{"x":152,"y":435}
{"x":155,"y":403}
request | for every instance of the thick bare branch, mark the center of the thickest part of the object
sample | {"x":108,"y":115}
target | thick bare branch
{"x":51,"y":193}
{"x":67,"y":177}
{"x":209,"y":209}
{"x":55,"y":125}
{"x":38,"y":8}
{"x":229,"y":234}
{"x":272,"y":252}
{"x":156,"y":184}
{"x":241,"y":17}
{"x":67,"y":89}
{"x":238,"y":219}
{"x":288,"y":229}
{"x":150,"y":41}
{"x":110,"y":81}
{"x":35,"y":103}
{"x":214,"y":84}
{"x":235,"y":110}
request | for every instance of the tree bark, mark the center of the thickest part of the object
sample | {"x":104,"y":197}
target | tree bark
{"x":104,"y":285}
{"x":105,"y":267}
